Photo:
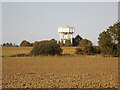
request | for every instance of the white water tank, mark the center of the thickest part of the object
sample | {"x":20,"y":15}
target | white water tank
{"x":66,"y":29}
{"x":66,"y":33}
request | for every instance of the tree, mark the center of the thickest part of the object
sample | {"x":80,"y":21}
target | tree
{"x":31,"y":44}
{"x":86,"y":50}
{"x":68,"y":43}
{"x":97,"y":50}
{"x":79,"y":51}
{"x":85,"y":42}
{"x":109,"y":40}
{"x":25,"y":43}
{"x":9,"y":45}
{"x":46,"y":48}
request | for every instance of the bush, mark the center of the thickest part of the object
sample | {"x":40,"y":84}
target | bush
{"x":25,"y":43}
{"x":97,"y":50}
{"x":68,"y":43}
{"x":31,"y":44}
{"x":86,"y":50}
{"x":46,"y":48}
{"x":79,"y":51}
{"x":85,"y":42}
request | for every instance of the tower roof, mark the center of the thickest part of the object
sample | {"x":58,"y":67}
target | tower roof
{"x":64,"y":29}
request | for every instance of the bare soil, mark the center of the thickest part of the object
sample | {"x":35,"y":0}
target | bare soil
{"x":60,"y":72}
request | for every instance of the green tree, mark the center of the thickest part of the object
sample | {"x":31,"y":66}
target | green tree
{"x":9,"y":45}
{"x":25,"y":43}
{"x":109,"y":40}
{"x":85,"y":42}
{"x":86,"y":50}
{"x":79,"y":51}
{"x":47,"y":48}
{"x":68,"y":43}
{"x":31,"y":44}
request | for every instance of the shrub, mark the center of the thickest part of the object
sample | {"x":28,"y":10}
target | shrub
{"x":25,"y":43}
{"x":85,"y":42}
{"x":86,"y":50}
{"x":97,"y":50}
{"x":31,"y":44}
{"x":68,"y":43}
{"x":79,"y":51}
{"x":46,"y":48}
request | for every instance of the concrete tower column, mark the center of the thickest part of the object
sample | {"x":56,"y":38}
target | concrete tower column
{"x":71,"y":38}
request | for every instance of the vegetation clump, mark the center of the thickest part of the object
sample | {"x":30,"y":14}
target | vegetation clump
{"x":109,"y":41}
{"x":25,"y":43}
{"x":9,"y":45}
{"x":46,"y":48}
{"x":85,"y":42}
{"x":86,"y":47}
{"x":68,"y":43}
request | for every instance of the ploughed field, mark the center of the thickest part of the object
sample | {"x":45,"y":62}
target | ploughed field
{"x":9,"y":51}
{"x":60,"y":72}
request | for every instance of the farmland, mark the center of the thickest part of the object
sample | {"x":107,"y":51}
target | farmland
{"x":9,"y":51}
{"x":58,"y":71}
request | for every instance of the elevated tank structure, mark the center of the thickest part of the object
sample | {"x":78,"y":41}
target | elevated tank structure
{"x":66,"y":33}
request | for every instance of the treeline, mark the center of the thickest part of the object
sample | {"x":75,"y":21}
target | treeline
{"x":85,"y":46}
{"x":9,"y":45}
{"x":76,"y":42}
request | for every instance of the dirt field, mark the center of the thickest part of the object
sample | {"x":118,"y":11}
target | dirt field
{"x":60,"y":72}
{"x":9,"y":51}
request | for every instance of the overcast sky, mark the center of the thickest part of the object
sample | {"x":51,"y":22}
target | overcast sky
{"x":39,"y":21}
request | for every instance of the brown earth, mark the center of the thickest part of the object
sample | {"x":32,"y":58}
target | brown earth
{"x":9,"y":51}
{"x":60,"y":72}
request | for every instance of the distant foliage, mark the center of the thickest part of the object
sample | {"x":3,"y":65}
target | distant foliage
{"x":97,"y":50}
{"x":79,"y":51}
{"x":109,"y":41}
{"x":36,"y":43}
{"x":68,"y":43}
{"x":31,"y":44}
{"x":9,"y":45}
{"x":46,"y":48}
{"x":25,"y":43}
{"x":85,"y":42}
{"x":86,"y":50}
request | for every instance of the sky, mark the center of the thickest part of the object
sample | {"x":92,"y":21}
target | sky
{"x":35,"y":21}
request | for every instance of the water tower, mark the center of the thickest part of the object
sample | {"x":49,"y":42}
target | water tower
{"x":66,"y":33}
